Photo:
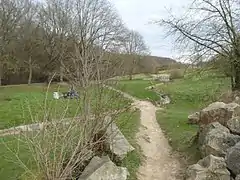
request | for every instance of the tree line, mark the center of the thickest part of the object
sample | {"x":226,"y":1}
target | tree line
{"x":69,"y":38}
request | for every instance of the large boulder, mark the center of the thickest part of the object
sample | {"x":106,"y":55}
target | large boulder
{"x":194,"y":118}
{"x":234,"y":125}
{"x":116,"y":142}
{"x":209,"y":168}
{"x":215,"y":139}
{"x":103,"y":168}
{"x":219,"y":112}
{"x":233,"y":159}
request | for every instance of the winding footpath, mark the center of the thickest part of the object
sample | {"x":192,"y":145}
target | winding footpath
{"x":159,"y":163}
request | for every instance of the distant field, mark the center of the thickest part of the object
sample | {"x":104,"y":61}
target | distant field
{"x":137,"y":88}
{"x":25,"y":104}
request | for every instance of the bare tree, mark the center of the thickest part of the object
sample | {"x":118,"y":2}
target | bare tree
{"x":55,"y":18}
{"x":30,"y":39}
{"x":96,"y":25}
{"x":11,"y":13}
{"x":135,"y":46}
{"x":60,"y":151}
{"x":209,"y":28}
{"x":57,"y":21}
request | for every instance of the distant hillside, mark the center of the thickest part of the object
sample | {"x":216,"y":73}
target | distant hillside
{"x":145,"y":64}
{"x":153,"y":63}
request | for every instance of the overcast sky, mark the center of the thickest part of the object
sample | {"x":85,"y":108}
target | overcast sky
{"x":138,"y":13}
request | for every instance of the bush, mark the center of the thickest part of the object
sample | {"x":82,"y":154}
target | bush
{"x":176,"y":74}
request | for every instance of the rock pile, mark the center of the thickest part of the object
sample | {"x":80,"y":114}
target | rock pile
{"x":219,"y":142}
{"x":100,"y":168}
{"x":103,"y":168}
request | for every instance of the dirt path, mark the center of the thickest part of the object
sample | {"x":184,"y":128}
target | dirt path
{"x":159,"y":164}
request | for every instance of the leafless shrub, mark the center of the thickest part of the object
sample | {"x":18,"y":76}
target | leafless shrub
{"x":60,"y":150}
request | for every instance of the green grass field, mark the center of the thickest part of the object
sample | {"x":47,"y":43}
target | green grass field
{"x":188,"y":95}
{"x":137,"y":89}
{"x":28,"y":104}
{"x":24,"y":104}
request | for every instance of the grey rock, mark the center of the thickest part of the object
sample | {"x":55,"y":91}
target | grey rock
{"x":103,"y":169}
{"x":117,"y":143}
{"x":209,"y":168}
{"x":164,"y":99}
{"x":233,"y":159}
{"x":194,"y":118}
{"x":215,"y":139}
{"x":219,"y":112}
{"x":234,"y":125}
{"x":162,"y":77}
{"x":237,"y":177}
{"x":35,"y":127}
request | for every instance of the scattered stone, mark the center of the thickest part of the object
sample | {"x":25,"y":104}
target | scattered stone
{"x":103,"y":168}
{"x":233,"y":159}
{"x":164,"y":99}
{"x":194,"y":118}
{"x":117,"y":143}
{"x":149,"y":88}
{"x":234,"y":125}
{"x":146,"y":138}
{"x":215,"y":139}
{"x":219,"y":112}
{"x":209,"y":168}
{"x":163,"y":77}
{"x":237,"y":100}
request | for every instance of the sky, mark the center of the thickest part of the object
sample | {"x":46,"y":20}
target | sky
{"x":137,"y":15}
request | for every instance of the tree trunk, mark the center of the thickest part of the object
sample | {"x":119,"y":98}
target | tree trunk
{"x":236,"y":71}
{"x":61,"y":71}
{"x":132,"y":70}
{"x":30,"y":76}
{"x":130,"y":76}
{"x":0,"y":75}
{"x":30,"y":70}
{"x":236,"y":86}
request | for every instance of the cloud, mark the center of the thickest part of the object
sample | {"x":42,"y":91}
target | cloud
{"x":137,"y":15}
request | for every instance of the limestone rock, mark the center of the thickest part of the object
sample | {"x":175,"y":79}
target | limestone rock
{"x":193,"y":118}
{"x":215,"y":139}
{"x":233,"y":159}
{"x":234,"y":125}
{"x":237,"y":177}
{"x":103,"y":168}
{"x":162,"y":77}
{"x":117,"y":143}
{"x":164,"y":99}
{"x":219,"y":112}
{"x":209,"y":168}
